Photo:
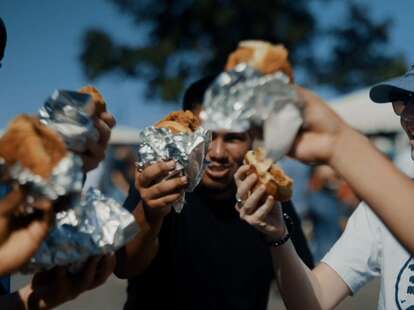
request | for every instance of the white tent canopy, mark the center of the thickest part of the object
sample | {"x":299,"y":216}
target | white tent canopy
{"x":368,"y":117}
{"x":124,"y":135}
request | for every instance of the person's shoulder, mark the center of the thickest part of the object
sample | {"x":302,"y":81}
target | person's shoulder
{"x":363,"y":213}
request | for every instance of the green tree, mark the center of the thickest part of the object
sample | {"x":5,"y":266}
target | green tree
{"x":182,"y":40}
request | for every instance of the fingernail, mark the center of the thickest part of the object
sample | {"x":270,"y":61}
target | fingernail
{"x":262,"y":188}
{"x":184,"y":179}
{"x":171,"y":164}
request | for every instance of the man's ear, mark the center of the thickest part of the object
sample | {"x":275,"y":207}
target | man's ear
{"x":196,"y":109}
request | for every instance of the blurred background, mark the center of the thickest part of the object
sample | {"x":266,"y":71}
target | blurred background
{"x":142,"y":54}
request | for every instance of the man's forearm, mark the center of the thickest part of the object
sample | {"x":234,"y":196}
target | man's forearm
{"x":296,"y":281}
{"x":378,"y":182}
{"x":137,"y":255}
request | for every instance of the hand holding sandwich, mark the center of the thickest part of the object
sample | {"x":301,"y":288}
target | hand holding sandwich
{"x":103,"y":122}
{"x":261,"y":185}
{"x":322,"y":132}
{"x":157,"y":193}
{"x":258,"y":208}
{"x":21,"y":237}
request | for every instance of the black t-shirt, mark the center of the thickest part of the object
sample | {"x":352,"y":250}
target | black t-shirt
{"x":208,"y":259}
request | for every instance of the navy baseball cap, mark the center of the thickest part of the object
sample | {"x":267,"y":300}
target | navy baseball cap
{"x":3,"y":38}
{"x":395,"y":89}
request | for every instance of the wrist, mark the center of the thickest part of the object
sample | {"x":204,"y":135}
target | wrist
{"x":284,"y":235}
{"x":150,"y":223}
{"x":341,"y":145}
{"x":277,"y":235}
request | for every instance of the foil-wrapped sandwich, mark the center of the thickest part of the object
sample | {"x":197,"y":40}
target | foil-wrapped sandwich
{"x":276,"y":182}
{"x":36,"y":155}
{"x":256,"y":90}
{"x":35,"y":158}
{"x":177,"y":137}
{"x":97,"y":225}
{"x":71,"y":114}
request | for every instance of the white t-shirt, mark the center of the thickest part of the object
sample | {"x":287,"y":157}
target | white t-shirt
{"x":366,"y":250}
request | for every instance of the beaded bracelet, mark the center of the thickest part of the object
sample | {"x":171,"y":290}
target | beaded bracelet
{"x":289,"y":226}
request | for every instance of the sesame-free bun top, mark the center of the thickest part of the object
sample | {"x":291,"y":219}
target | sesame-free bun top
{"x":97,"y":98}
{"x":179,"y":122}
{"x":33,"y":145}
{"x":263,"y":56}
{"x":277,"y":183}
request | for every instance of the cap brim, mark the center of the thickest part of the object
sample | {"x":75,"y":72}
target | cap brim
{"x":392,"y":90}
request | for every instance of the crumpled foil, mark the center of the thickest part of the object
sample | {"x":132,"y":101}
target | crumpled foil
{"x":243,"y":97}
{"x":188,"y":150}
{"x":66,"y":178}
{"x":98,"y":225}
{"x":69,"y":113}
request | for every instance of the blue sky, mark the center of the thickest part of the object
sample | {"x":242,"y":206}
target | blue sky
{"x":44,"y":43}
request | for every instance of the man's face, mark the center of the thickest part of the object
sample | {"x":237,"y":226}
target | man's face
{"x":405,"y":110}
{"x":225,"y":154}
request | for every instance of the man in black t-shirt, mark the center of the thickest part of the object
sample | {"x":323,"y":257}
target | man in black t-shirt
{"x":205,"y":257}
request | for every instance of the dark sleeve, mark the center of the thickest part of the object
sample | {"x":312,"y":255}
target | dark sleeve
{"x":157,"y":280}
{"x":298,"y":237}
{"x":133,"y":198}
{"x":144,"y":291}
{"x":4,"y":285}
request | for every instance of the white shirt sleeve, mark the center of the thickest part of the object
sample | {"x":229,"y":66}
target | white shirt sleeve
{"x":356,"y":256}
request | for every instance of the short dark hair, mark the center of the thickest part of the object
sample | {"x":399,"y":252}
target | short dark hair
{"x":3,"y":38}
{"x":194,"y":94}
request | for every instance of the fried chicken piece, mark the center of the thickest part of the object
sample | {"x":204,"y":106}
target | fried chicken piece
{"x":179,"y":121}
{"x":98,"y":100}
{"x":32,"y":144}
{"x":263,"y":56}
{"x":277,"y":183}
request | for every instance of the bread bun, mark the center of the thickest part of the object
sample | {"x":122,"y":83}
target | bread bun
{"x":33,"y":145}
{"x":98,"y":100}
{"x":263,"y":56}
{"x":277,"y":183}
{"x":179,"y":122}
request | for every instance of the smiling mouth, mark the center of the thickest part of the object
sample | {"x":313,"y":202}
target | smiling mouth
{"x":217,"y":171}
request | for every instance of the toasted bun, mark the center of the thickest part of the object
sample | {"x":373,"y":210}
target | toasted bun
{"x":98,"y":100}
{"x":32,"y":144}
{"x":262,"y":56}
{"x":180,"y":121}
{"x":277,"y":183}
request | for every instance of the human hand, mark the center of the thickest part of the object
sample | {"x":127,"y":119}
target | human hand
{"x":21,"y":236}
{"x":95,"y":151}
{"x":320,"y":132}
{"x":51,"y":288}
{"x":157,"y":194}
{"x":257,"y":209}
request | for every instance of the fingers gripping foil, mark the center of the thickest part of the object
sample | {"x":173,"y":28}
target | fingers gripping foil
{"x":96,"y":226}
{"x":69,"y":113}
{"x":188,"y":150}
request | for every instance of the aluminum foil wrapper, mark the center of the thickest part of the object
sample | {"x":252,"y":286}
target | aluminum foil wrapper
{"x":188,"y":150}
{"x":98,"y":225}
{"x":243,"y":97}
{"x":69,"y":113}
{"x":66,"y":178}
